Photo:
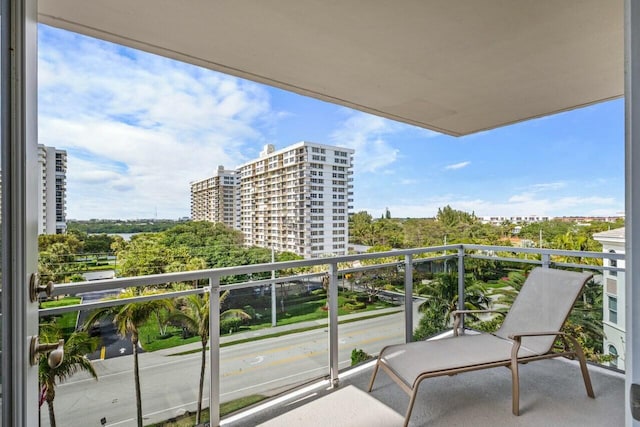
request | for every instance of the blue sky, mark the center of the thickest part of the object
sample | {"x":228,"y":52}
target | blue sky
{"x":138,"y":128}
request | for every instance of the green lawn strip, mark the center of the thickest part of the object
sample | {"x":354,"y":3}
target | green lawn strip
{"x":151,"y":340}
{"x":66,"y":322}
{"x":60,"y":302}
{"x":303,"y":311}
{"x":189,"y":420}
{"x":281,"y":333}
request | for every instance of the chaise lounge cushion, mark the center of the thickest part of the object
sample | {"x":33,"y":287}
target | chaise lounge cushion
{"x":409,"y":361}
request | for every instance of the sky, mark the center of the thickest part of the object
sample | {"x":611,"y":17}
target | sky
{"x":138,"y":128}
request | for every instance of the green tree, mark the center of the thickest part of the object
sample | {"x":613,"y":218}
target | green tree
{"x":361,"y":228}
{"x":194,"y":315}
{"x":77,"y":345}
{"x":128,"y":318}
{"x":56,"y":262}
{"x":450,"y":217}
{"x":441,"y":295}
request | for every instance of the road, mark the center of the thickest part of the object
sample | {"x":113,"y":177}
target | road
{"x":114,"y":345}
{"x":170,"y":383}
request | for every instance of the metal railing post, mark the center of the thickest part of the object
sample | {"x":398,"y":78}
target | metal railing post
{"x":408,"y":298}
{"x":546,"y":260}
{"x":214,"y":351}
{"x":333,"y":324}
{"x":461,"y":282}
{"x":274,"y":311}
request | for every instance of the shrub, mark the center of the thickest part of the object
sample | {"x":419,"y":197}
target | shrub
{"x":249,"y":310}
{"x":354,"y":305}
{"x":227,"y":326}
{"x":362,"y":298}
{"x":359,"y":356}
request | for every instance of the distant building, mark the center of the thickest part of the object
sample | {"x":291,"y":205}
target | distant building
{"x":588,"y":219}
{"x":298,"y":199}
{"x":613,"y":316}
{"x":522,"y":219}
{"x":52,"y":187}
{"x":216,"y":199}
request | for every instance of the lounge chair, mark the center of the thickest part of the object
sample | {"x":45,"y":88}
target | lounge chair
{"x":528,"y":333}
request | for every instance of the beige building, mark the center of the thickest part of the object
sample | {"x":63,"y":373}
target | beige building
{"x":52,"y":187}
{"x":216,"y":199}
{"x":298,"y":199}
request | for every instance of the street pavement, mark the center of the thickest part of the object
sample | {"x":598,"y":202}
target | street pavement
{"x":169,"y":383}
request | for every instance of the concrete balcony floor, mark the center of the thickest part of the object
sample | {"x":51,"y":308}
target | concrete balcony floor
{"x":552,"y":393}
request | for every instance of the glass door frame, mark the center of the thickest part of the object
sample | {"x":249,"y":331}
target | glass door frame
{"x":18,"y":76}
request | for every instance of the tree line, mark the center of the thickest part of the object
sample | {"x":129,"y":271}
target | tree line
{"x":455,"y":226}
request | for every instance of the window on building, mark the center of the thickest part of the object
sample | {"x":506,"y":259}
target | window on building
{"x":614,"y":356}
{"x":613,"y":263}
{"x":613,"y":309}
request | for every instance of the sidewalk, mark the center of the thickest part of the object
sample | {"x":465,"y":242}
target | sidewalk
{"x":247,"y":335}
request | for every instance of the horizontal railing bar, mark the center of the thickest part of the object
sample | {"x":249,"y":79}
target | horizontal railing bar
{"x":561,"y":252}
{"x":585,"y":266}
{"x":505,"y":259}
{"x":155,"y":279}
{"x":537,"y":261}
{"x":281,"y":279}
{"x":119,"y":301}
{"x":186,"y":276}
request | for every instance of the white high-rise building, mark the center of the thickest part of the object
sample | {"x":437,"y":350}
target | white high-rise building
{"x":216,"y":199}
{"x":298,"y":199}
{"x":53,"y":190}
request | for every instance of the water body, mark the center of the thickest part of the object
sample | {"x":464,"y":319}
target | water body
{"x":126,"y":236}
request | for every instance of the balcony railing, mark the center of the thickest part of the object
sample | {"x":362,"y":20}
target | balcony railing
{"x":334,"y":268}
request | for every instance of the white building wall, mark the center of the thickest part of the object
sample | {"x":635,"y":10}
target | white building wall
{"x":215,"y":198}
{"x":52,"y":168}
{"x":298,"y":199}
{"x":613,"y":316}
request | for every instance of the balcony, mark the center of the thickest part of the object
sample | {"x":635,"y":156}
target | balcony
{"x":552,"y":396}
{"x":305,"y":375}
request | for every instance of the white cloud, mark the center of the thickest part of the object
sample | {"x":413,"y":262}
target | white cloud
{"x":138,"y":128}
{"x":456,"y":166}
{"x":365,"y":134}
{"x":549,"y":186}
{"x":409,"y":181}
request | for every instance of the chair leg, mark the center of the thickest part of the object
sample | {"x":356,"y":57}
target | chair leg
{"x":515,"y":379}
{"x":577,"y":348}
{"x":412,"y":401}
{"x":373,"y":377}
{"x":515,"y":389}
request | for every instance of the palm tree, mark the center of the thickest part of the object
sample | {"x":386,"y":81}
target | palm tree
{"x":194,"y":315}
{"x":442,"y":295}
{"x":442,"y":299}
{"x":75,"y":348}
{"x":128,"y":318}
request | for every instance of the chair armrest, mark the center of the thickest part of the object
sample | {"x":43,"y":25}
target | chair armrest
{"x":518,"y":336}
{"x":458,"y":314}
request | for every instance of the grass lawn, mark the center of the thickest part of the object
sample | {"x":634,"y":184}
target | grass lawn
{"x":306,"y":309}
{"x":151,"y":340}
{"x":225,"y":408}
{"x":65,"y":322}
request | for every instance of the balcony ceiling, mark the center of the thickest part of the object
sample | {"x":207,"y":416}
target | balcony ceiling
{"x":456,"y":67}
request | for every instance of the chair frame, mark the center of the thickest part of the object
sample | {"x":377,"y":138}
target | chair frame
{"x":575,"y":351}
